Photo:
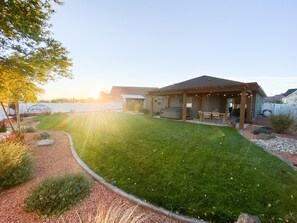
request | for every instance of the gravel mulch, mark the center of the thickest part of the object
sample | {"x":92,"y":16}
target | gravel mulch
{"x":57,"y":160}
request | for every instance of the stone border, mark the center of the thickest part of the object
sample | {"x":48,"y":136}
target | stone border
{"x":126,"y":195}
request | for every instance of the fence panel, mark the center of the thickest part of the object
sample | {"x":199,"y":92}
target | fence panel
{"x":277,"y":109}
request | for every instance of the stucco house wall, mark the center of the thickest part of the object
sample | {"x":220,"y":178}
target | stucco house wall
{"x":257,"y":102}
{"x":291,"y":99}
{"x":159,"y":102}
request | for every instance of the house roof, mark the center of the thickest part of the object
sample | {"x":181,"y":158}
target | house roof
{"x":274,"y":98}
{"x":132,"y":96}
{"x":289,"y":91}
{"x":120,"y":90}
{"x":208,"y":83}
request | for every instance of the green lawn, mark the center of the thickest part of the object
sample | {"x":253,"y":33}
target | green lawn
{"x":197,"y":170}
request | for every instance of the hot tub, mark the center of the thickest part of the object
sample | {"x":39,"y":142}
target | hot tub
{"x":175,"y":113}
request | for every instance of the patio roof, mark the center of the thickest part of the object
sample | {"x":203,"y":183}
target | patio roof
{"x":205,"y":84}
{"x":132,"y":96}
{"x":119,"y":90}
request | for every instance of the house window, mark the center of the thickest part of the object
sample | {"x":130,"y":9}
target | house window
{"x":158,"y":100}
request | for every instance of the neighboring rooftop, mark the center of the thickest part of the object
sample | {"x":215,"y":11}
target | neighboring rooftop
{"x":119,"y":90}
{"x":132,"y":96}
{"x":290,"y":91}
{"x":274,"y":99}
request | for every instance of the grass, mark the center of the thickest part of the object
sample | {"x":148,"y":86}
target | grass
{"x":201,"y":171}
{"x":57,"y":194}
{"x":16,"y":164}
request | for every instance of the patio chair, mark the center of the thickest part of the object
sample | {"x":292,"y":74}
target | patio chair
{"x":206,"y":115}
{"x":216,"y":116}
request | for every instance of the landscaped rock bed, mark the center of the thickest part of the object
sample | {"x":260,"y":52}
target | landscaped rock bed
{"x":286,"y":145}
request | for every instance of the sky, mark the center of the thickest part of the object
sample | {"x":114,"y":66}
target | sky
{"x":155,"y":43}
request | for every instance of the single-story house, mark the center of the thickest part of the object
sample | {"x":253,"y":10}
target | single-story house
{"x":209,"y":94}
{"x":130,"y":96}
{"x":290,"y":97}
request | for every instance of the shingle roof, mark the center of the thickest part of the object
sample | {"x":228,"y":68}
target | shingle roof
{"x":119,"y":90}
{"x":201,"y":82}
{"x":132,"y":96}
{"x":289,"y":91}
{"x":210,"y":83}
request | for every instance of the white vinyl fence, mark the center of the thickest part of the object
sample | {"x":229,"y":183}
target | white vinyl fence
{"x":69,"y":107}
{"x":277,"y":109}
{"x":2,"y":115}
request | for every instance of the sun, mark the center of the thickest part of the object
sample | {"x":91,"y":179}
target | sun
{"x":94,"y":94}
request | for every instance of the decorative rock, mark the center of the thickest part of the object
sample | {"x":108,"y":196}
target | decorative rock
{"x":246,"y":218}
{"x":286,"y":145}
{"x":265,"y":136}
{"x":45,"y":142}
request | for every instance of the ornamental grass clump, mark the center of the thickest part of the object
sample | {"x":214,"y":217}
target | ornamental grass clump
{"x":281,"y":123}
{"x":57,"y":194}
{"x":16,"y":163}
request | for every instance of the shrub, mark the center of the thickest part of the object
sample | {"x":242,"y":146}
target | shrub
{"x":43,"y":135}
{"x":117,"y":214}
{"x":265,"y":130}
{"x":16,"y":164}
{"x":281,"y":123}
{"x":138,"y":107}
{"x":295,"y":126}
{"x":2,"y":127}
{"x":145,"y":111}
{"x":30,"y":129}
{"x":57,"y":194}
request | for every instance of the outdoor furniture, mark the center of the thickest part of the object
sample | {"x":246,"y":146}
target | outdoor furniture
{"x":175,"y":113}
{"x":203,"y":116}
{"x":206,"y":115}
{"x":216,"y":116}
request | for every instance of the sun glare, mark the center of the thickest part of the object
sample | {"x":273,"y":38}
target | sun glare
{"x":94,"y":94}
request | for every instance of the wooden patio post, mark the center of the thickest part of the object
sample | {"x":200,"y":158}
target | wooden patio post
{"x":184,"y":114}
{"x":242,"y":109}
{"x":152,"y":105}
{"x":248,"y":109}
{"x":199,"y":103}
{"x":168,"y":101}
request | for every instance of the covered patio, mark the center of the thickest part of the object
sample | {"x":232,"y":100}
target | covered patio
{"x":211,"y":98}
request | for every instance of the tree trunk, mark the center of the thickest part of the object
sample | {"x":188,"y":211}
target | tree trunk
{"x":11,"y":126}
{"x":18,"y":115}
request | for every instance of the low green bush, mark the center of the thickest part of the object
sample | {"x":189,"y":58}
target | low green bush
{"x":295,"y":125}
{"x":265,"y":130}
{"x":281,"y":123}
{"x":57,"y":194}
{"x":138,"y":107}
{"x":2,"y":127}
{"x":43,"y":135}
{"x":16,"y":164}
{"x":145,"y":111}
